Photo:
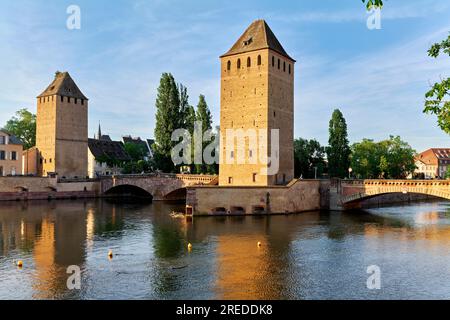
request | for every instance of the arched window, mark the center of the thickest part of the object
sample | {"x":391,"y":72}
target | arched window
{"x":249,"y":62}
{"x":279,"y":64}
{"x":273,"y":61}
{"x":239,"y":64}
{"x":284,"y":66}
{"x":259,"y":60}
{"x":229,"y":65}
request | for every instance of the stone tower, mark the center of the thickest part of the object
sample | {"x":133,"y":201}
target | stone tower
{"x":257,"y":92}
{"x":62,"y":129}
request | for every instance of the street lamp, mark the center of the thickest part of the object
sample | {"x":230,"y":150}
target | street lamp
{"x":350,"y":170}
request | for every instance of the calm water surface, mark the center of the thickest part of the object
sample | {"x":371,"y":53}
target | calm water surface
{"x":317,"y":255}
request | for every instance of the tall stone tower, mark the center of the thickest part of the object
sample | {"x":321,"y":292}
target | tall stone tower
{"x":62,"y":128}
{"x":257,"y":92}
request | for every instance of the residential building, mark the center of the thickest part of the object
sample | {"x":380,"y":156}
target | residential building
{"x":433,"y":163}
{"x":10,"y":154}
{"x":105,"y":157}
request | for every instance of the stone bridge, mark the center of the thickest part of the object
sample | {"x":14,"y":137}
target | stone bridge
{"x":345,"y":194}
{"x":160,"y":186}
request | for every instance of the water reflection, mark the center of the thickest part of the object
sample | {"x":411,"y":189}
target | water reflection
{"x":313,"y":255}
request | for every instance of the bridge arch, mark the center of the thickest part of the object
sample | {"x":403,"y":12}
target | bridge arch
{"x":21,"y":189}
{"x":363,"y":197}
{"x":176,"y":195}
{"x":358,"y":191}
{"x":128,"y":190}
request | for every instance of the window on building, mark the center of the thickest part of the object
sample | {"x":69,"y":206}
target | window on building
{"x":249,"y":62}
{"x":50,"y":160}
{"x":14,"y":155}
{"x":68,"y":99}
{"x":2,"y":140}
{"x":289,"y":68}
{"x":2,"y":155}
{"x":232,"y":154}
{"x":254,"y":177}
{"x":279,"y":64}
{"x":230,"y":180}
{"x":62,"y":99}
{"x":284,"y":66}
{"x":82,"y":102}
{"x":76,"y":100}
{"x":259,"y":60}
{"x":250,"y":153}
{"x":239,"y":64}
{"x":229,"y":65}
{"x":273,"y":61}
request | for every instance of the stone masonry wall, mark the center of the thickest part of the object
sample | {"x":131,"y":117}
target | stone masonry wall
{"x":298,"y":196}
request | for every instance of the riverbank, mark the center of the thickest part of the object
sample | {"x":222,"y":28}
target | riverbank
{"x":44,"y":188}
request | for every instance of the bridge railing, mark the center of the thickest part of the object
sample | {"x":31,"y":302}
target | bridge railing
{"x":380,"y":182}
{"x":188,"y":177}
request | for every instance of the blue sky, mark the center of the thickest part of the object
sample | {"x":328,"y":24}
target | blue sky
{"x":376,"y":77}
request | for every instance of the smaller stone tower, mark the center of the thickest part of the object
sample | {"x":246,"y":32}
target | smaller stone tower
{"x":62,"y":129}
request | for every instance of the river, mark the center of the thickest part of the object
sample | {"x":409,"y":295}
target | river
{"x":314,"y":255}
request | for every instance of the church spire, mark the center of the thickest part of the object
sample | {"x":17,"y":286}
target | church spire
{"x":99,"y":133}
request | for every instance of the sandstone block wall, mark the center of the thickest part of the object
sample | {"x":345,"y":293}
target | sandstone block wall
{"x":298,"y":196}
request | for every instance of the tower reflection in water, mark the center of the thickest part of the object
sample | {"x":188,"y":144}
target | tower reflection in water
{"x":312,"y":255}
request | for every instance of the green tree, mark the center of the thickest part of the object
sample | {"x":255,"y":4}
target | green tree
{"x":187,"y":112}
{"x":400,"y":157}
{"x":438,"y":98}
{"x":168,"y":118}
{"x":338,"y":151}
{"x":309,"y":156}
{"x":392,"y":158}
{"x":187,"y":116}
{"x":136,"y":151}
{"x":373,"y":4}
{"x":367,"y":159}
{"x":204,"y":116}
{"x":23,"y":126}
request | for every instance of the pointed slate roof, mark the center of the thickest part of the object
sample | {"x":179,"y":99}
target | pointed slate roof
{"x":12,"y":139}
{"x":109,"y":149}
{"x":257,"y":36}
{"x":63,"y":85}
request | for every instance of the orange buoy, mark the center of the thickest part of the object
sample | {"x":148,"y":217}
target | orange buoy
{"x":20,"y":263}
{"x":259,"y":244}
{"x":189,"y":247}
{"x":110,"y":254}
